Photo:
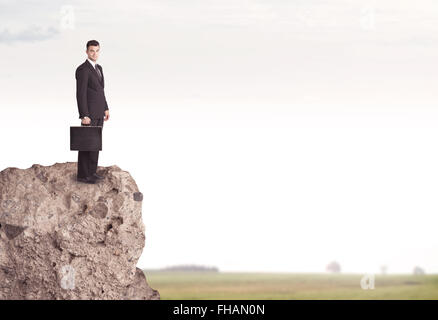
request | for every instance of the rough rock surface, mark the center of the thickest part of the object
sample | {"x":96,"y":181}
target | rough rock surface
{"x":62,"y":239}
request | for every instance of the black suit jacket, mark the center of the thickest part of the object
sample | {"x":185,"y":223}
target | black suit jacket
{"x":89,"y":91}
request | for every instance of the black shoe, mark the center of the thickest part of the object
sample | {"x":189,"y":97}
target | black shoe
{"x":98,"y":177}
{"x":90,"y":179}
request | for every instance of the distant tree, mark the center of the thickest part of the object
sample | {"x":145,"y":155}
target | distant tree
{"x":418,"y":271}
{"x":333,"y":267}
{"x":191,"y":267}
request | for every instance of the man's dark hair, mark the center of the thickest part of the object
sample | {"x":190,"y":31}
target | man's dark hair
{"x":92,"y":43}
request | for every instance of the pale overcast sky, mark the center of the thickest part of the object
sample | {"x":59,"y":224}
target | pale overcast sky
{"x":265,"y":135}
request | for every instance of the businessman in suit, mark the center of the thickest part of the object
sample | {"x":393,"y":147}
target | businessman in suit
{"x":92,"y":106}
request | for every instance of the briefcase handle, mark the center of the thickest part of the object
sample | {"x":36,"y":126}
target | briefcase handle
{"x":89,"y":125}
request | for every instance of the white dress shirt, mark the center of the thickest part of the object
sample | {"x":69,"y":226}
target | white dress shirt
{"x":92,"y":63}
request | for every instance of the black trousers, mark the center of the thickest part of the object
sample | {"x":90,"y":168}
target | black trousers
{"x":87,"y":160}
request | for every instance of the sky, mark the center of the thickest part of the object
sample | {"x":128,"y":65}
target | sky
{"x":264,"y":135}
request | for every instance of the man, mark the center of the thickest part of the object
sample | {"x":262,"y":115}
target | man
{"x":93,"y":108}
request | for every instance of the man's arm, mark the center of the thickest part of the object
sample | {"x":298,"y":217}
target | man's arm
{"x":81,"y":92}
{"x":106,"y":104}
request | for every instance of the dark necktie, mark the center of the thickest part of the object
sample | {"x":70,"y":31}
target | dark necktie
{"x":98,"y":72}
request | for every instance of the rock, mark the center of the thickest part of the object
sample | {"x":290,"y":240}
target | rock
{"x":138,"y":196}
{"x":63,"y":239}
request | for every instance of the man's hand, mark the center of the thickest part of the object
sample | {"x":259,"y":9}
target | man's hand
{"x":86,"y":120}
{"x":106,"y":115}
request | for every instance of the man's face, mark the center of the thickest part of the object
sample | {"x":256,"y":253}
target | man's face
{"x":93,"y":52}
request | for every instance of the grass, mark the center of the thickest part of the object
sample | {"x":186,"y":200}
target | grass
{"x":234,"y":285}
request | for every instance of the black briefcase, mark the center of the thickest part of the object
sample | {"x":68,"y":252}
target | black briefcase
{"x":86,"y":138}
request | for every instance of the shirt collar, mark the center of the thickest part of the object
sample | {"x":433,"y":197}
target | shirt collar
{"x":92,"y":63}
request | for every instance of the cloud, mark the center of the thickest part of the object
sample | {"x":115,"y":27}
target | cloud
{"x":30,"y":34}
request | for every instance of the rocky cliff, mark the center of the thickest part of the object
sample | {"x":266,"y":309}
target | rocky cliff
{"x":62,"y":239}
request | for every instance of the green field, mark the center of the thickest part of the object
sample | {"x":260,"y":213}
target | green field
{"x":224,"y":285}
